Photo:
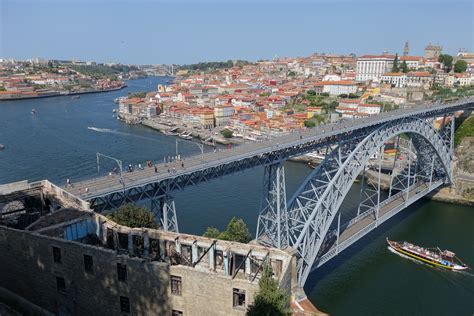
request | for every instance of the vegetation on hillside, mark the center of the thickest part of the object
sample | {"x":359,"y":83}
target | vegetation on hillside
{"x":236,"y":230}
{"x":466,"y":129}
{"x":131,"y":215}
{"x":270,"y":300}
{"x":102,"y":71}
{"x":441,"y":93}
{"x":207,"y":66}
{"x":139,"y":94}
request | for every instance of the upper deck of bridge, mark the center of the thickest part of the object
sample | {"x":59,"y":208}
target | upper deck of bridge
{"x":108,"y":184}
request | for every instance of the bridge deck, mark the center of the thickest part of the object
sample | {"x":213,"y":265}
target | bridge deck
{"x":105,"y":185}
{"x":367,"y":223}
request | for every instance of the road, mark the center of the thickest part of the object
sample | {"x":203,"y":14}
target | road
{"x":107,"y":184}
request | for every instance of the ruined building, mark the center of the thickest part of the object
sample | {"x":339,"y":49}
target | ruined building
{"x":62,"y":257}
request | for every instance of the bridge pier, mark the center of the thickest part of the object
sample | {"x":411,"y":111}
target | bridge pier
{"x":272,"y":226}
{"x":165,"y":212}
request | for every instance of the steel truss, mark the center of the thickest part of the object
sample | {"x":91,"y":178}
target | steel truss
{"x":272,"y":226}
{"x":314,"y":206}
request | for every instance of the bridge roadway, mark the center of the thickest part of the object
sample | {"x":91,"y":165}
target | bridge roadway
{"x":105,"y":185}
{"x":367,"y":221}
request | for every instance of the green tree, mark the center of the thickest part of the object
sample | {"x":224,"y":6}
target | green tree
{"x":447,"y":61}
{"x":270,"y":300}
{"x":311,"y":92}
{"x":134,"y":216}
{"x":227,"y":133}
{"x":291,"y":74}
{"x":404,"y":67}
{"x":236,"y":230}
{"x":395,"y":67}
{"x":212,"y":232}
{"x":460,"y":66}
{"x":309,"y":123}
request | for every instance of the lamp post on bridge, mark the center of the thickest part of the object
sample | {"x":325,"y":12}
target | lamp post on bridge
{"x":201,"y":146}
{"x":117,"y":161}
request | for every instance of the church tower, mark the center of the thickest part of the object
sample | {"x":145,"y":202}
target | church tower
{"x":405,"y":49}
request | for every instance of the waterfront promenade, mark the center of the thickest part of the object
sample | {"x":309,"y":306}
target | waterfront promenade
{"x":108,"y":184}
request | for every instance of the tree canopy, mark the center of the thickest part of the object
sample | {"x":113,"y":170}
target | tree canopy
{"x":395,"y":67}
{"x":134,"y":216}
{"x":270,"y":300}
{"x":404,"y":67}
{"x":460,"y":66}
{"x":227,"y":133}
{"x":447,"y":61}
{"x":139,"y":94}
{"x":236,"y":230}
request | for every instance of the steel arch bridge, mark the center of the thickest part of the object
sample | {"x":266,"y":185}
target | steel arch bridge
{"x":313,"y":208}
{"x":310,"y":221}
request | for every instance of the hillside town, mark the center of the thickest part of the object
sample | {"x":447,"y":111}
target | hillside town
{"x":38,"y":78}
{"x":268,"y":98}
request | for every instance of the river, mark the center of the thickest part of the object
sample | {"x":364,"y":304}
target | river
{"x":62,"y":139}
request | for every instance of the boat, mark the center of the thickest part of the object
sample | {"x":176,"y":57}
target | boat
{"x":169,"y":133}
{"x":75,"y":97}
{"x":2,"y":146}
{"x":185,"y":136}
{"x":33,"y":111}
{"x":434,"y":256}
{"x":114,"y":110}
{"x":312,"y":165}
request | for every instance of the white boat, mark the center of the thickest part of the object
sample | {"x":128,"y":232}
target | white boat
{"x":185,"y":136}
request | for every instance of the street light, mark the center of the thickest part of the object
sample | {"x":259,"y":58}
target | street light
{"x":119,"y":163}
{"x":201,"y":146}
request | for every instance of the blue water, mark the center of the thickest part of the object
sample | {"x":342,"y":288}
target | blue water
{"x":62,"y":139}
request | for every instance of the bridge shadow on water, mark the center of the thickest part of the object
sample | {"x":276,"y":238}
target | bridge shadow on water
{"x":376,"y":236}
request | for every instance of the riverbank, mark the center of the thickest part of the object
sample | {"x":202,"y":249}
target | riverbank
{"x":203,"y":135}
{"x":60,"y":94}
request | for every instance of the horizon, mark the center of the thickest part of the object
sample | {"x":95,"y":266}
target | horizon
{"x":184,"y":32}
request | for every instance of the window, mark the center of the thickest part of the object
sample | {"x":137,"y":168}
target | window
{"x":239,"y":298}
{"x":175,"y":285}
{"x":176,"y":313}
{"x":57,"y":254}
{"x":124,"y":304}
{"x":88,"y":264}
{"x":61,"y":285}
{"x":122,"y":272}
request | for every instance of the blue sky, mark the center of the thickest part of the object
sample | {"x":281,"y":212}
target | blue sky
{"x":180,"y":31}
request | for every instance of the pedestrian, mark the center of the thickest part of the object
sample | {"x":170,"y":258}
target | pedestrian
{"x":68,"y":183}
{"x":174,"y":170}
{"x":169,"y":170}
{"x":87,"y":190}
{"x":182,"y":165}
{"x":156,"y":169}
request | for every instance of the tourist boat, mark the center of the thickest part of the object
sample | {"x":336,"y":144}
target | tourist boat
{"x":434,"y":256}
{"x":33,"y":111}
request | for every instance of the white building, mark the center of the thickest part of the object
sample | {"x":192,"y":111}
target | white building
{"x":223,"y":114}
{"x":372,"y":67}
{"x":461,"y":80}
{"x":369,"y":109}
{"x":338,"y":87}
{"x":396,"y":79}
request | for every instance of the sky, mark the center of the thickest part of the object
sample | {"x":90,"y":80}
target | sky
{"x":184,"y":31}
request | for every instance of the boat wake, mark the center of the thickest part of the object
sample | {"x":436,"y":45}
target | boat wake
{"x":115,"y":132}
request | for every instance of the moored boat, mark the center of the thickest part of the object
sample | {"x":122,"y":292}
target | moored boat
{"x":434,"y":256}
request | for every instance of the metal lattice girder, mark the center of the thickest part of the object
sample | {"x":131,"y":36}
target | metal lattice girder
{"x":272,"y":227}
{"x":314,"y":206}
{"x":165,"y":212}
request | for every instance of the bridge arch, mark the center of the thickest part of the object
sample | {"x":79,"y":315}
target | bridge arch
{"x":314,"y":206}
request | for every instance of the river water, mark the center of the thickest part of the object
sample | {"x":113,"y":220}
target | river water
{"x":62,"y":139}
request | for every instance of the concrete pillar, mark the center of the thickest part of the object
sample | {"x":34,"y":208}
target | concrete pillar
{"x":103,"y":237}
{"x":212,"y":260}
{"x":247,"y":265}
{"x":226,"y":262}
{"x":130,"y":243}
{"x":146,"y":245}
{"x":194,"y":252}
{"x":116,"y":243}
{"x":178,"y":246}
{"x":162,"y":248}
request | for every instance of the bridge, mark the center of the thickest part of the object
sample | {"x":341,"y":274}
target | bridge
{"x":310,"y":221}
